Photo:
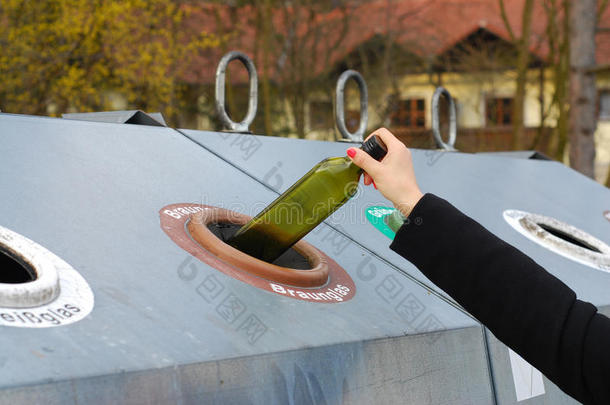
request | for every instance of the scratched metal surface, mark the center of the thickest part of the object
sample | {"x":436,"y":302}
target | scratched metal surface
{"x":91,"y":192}
{"x":482,"y":186}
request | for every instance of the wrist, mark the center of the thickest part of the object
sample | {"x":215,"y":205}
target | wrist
{"x":406,"y":204}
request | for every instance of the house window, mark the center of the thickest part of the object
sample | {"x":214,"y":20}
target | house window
{"x":320,"y":115}
{"x":604,"y":105}
{"x":410,"y":113}
{"x":499,"y":111}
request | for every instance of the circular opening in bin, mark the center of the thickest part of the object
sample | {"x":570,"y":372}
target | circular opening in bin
{"x":38,"y":289}
{"x":291,"y":258}
{"x":561,"y":238}
{"x":28,"y":273}
{"x":14,"y":271}
{"x":302,"y":266}
{"x":305,"y":273}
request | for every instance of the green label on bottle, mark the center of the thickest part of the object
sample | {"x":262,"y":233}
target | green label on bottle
{"x":377,"y":217}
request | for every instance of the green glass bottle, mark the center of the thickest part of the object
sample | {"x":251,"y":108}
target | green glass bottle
{"x":394,"y":220}
{"x":316,"y":195}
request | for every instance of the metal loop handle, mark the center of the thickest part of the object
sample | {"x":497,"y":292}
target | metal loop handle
{"x":436,"y":132}
{"x":227,"y":122}
{"x":340,"y":105}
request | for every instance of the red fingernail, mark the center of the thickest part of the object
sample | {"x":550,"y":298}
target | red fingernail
{"x":351,"y":152}
{"x":375,"y":185}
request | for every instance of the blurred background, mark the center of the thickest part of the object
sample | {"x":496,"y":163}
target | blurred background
{"x":525,"y":74}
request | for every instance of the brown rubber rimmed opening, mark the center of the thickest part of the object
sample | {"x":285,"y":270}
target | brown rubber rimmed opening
{"x":197,"y":226}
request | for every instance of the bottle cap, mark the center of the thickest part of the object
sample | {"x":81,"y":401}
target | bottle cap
{"x":374,"y":147}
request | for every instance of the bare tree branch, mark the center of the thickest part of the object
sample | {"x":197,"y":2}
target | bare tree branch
{"x":505,"y":20}
{"x":601,"y":9}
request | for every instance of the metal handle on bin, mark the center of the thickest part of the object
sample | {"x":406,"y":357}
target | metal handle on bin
{"x":436,"y":132}
{"x":340,"y":105}
{"x":227,"y":122}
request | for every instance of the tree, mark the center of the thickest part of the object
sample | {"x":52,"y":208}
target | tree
{"x":150,"y":50}
{"x":307,"y":39}
{"x":69,"y":55}
{"x":557,"y":39}
{"x":582,"y":86}
{"x":52,"y":56}
{"x":522,"y":63}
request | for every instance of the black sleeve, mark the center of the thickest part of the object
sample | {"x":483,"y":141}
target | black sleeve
{"x":524,"y":306}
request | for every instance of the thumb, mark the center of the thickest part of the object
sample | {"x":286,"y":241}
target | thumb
{"x":363,"y":160}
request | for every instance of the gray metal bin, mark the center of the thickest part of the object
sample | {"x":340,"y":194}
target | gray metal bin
{"x":166,"y":327}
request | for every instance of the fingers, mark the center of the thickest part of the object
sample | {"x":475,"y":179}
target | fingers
{"x":364,"y":161}
{"x":367,"y":179}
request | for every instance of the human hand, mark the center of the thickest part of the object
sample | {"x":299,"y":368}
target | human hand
{"x":394,"y":176}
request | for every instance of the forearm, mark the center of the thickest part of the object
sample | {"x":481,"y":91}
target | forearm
{"x":527,"y":308}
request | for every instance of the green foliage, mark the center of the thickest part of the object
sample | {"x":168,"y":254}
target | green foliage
{"x":72,"y":55}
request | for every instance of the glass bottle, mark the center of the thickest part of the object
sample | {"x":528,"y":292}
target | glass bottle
{"x":309,"y":201}
{"x":395,"y":220}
